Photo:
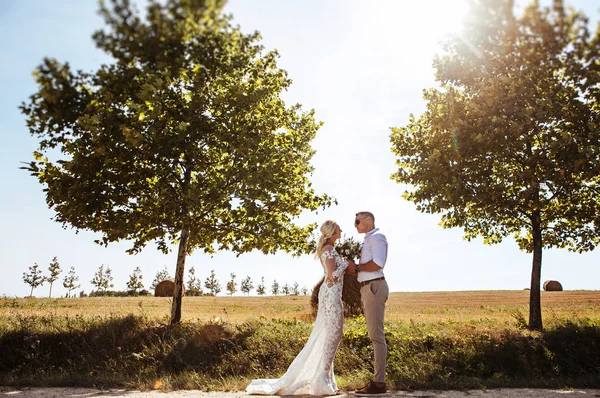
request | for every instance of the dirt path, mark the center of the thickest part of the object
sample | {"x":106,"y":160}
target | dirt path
{"x":94,"y":393}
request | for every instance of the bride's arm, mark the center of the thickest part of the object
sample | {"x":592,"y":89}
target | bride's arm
{"x":340,"y":270}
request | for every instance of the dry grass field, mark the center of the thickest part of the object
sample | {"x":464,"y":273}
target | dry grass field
{"x":467,"y":306}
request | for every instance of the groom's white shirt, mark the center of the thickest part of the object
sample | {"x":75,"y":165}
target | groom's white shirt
{"x":374,"y":248}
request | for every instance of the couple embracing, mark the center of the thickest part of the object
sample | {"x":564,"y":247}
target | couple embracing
{"x":311,"y":372}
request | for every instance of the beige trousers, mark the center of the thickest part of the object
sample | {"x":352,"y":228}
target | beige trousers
{"x":374,"y":295}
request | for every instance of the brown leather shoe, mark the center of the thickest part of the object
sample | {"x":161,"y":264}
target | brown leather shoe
{"x":373,"y":389}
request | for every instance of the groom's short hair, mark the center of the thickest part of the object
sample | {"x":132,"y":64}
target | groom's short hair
{"x":366,"y":213}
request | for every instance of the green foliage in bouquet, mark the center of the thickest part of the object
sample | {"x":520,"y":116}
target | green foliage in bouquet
{"x":349,"y":248}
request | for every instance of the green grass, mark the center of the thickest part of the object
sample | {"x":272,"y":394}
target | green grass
{"x":137,"y":351}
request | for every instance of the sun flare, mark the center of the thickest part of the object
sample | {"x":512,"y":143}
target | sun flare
{"x":418,"y":26}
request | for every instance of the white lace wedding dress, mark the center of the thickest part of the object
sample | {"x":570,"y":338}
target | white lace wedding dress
{"x":311,"y":372}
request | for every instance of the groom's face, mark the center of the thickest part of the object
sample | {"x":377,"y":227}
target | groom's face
{"x":362,"y":224}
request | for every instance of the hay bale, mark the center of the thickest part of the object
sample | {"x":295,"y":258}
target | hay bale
{"x":350,"y":297}
{"x":314,"y":297}
{"x":553,"y":286}
{"x":165,"y":288}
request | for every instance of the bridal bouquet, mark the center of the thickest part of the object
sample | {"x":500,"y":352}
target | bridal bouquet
{"x":349,"y":248}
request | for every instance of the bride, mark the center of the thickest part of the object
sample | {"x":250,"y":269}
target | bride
{"x":311,"y":372}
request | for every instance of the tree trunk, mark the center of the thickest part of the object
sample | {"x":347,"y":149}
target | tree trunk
{"x":178,"y":291}
{"x":31,"y":293}
{"x":50,"y":295}
{"x":535,"y":308}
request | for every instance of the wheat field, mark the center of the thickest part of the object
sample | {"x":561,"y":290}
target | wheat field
{"x":465,"y":306}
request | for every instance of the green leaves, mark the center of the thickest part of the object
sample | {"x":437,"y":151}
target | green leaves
{"x":187,"y":121}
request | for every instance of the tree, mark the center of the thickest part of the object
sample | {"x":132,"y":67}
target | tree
{"x":294,"y":290}
{"x":198,"y":287}
{"x":34,"y":278}
{"x":260,"y":289}
{"x":509,"y":143}
{"x":231,"y":285}
{"x":135,"y":281}
{"x":285,"y":289}
{"x":275,"y":288}
{"x":191,"y":283}
{"x":184,"y":139}
{"x":70,"y":281}
{"x":246,"y":286}
{"x":103,"y":278}
{"x":304,"y":290}
{"x":55,"y":271}
{"x":194,"y":285}
{"x":212,"y":284}
{"x":160,"y":276}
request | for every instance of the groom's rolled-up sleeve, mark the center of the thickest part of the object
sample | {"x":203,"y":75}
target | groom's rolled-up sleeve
{"x":379,"y":248}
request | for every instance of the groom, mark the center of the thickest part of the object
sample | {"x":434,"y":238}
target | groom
{"x":374,"y":293}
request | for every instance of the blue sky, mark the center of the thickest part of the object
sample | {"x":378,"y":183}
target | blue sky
{"x":362,"y":70}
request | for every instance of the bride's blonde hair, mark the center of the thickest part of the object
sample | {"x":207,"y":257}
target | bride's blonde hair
{"x":327,"y":230}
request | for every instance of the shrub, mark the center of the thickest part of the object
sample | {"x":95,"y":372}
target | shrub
{"x":133,"y":351}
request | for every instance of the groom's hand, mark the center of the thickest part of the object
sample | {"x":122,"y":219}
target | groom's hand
{"x":350,"y":268}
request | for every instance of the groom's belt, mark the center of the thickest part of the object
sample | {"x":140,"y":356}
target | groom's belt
{"x":365,"y":283}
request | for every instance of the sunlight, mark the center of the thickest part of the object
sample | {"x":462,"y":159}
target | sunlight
{"x":418,"y":26}
{"x":400,"y":38}
{"x":434,"y":19}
